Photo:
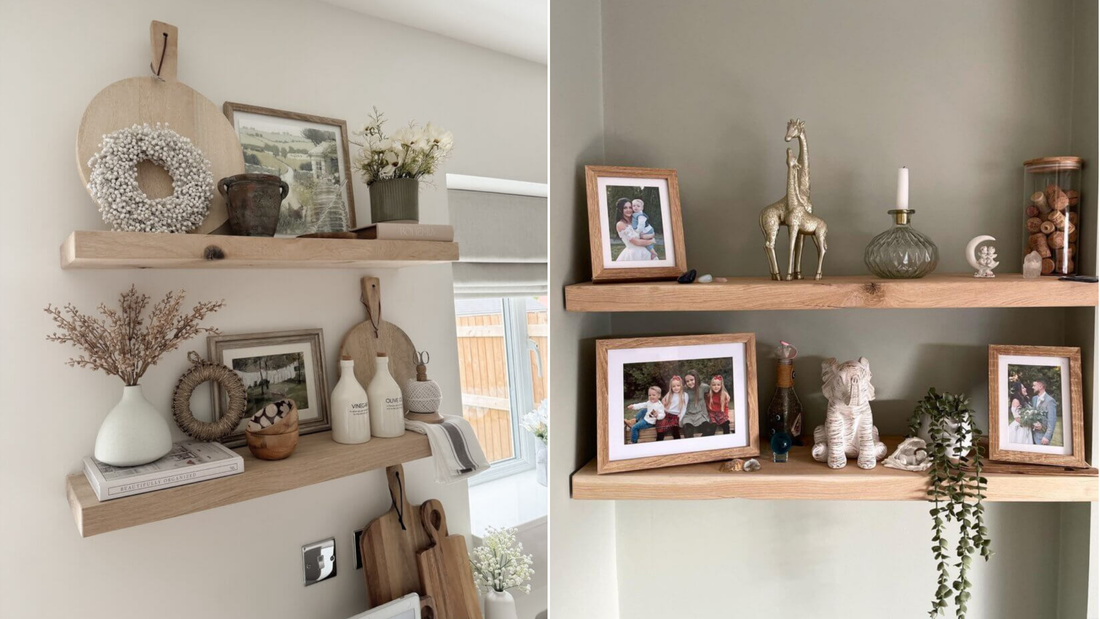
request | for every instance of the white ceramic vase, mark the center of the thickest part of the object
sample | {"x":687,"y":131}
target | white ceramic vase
{"x":133,"y":433}
{"x":541,"y":462}
{"x":500,"y":605}
{"x":949,"y":440}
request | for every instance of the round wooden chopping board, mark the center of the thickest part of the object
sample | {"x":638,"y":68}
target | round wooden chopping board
{"x":362,"y":346}
{"x":139,"y":100}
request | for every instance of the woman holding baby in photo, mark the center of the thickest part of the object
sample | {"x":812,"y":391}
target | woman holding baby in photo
{"x":635,"y":232}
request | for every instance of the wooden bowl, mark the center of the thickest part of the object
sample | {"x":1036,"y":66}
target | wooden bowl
{"x":284,"y":425}
{"x":272,"y":446}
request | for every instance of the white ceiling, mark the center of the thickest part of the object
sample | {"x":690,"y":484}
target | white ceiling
{"x":514,"y":27}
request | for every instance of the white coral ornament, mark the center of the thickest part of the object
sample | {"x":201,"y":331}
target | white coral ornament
{"x":114,"y":184}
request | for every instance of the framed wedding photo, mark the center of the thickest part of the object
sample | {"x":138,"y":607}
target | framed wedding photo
{"x":666,"y":401}
{"x":310,"y":153}
{"x":1035,"y":405}
{"x":274,"y":366}
{"x":634,"y":223}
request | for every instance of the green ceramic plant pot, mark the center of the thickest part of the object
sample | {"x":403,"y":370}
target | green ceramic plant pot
{"x":395,"y":200}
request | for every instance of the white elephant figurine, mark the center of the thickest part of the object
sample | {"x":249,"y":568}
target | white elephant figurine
{"x":849,"y":430}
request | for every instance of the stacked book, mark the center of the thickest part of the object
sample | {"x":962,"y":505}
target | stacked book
{"x":187,"y":463}
{"x":393,"y":231}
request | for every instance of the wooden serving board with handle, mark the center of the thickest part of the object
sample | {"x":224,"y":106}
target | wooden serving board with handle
{"x":160,"y":98}
{"x":374,"y":335}
{"x":389,"y":546}
{"x":445,"y":568}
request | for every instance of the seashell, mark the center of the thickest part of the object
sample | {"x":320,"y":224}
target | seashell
{"x":732,"y":466}
{"x":706,"y":279}
{"x":752,"y":464}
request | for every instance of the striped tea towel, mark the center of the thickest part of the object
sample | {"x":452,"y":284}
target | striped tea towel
{"x":455,"y":449}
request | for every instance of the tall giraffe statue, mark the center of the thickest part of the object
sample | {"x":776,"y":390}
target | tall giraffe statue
{"x":795,"y":211}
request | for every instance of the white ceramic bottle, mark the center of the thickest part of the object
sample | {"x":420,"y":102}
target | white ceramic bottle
{"x":350,"y":407}
{"x":387,"y":407}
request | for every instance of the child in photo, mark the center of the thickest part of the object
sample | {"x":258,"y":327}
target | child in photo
{"x":649,"y":413}
{"x":675,"y":404}
{"x":640,"y":223}
{"x":718,"y":406}
{"x":695,"y":420}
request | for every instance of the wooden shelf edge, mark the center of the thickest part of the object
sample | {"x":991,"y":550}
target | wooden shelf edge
{"x":317,"y":459}
{"x":943,"y":291}
{"x":100,"y":249}
{"x":802,"y":479}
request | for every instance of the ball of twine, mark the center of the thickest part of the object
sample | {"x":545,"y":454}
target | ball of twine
{"x":114,"y":180}
{"x":199,"y":373}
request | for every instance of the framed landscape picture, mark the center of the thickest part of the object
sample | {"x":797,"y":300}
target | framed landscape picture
{"x":665,"y":401}
{"x":311,"y":154}
{"x":1035,"y":405}
{"x":275,"y":366}
{"x":634,"y":223}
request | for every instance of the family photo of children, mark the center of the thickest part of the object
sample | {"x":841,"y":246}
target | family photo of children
{"x":1034,"y":405}
{"x":637,"y":225}
{"x":677,"y":399}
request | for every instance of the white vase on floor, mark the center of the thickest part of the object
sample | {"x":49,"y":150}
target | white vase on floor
{"x":541,"y":457}
{"x":500,"y":605}
{"x":133,"y":433}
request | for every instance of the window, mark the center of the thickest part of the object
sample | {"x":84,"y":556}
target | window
{"x":502,"y":348}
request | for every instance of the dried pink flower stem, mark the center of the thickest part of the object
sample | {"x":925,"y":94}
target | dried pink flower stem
{"x":122,"y":343}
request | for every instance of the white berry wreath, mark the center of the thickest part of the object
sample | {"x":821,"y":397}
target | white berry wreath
{"x":114,"y":183}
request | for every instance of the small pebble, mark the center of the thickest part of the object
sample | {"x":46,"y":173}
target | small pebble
{"x":720,"y":280}
{"x":706,"y":279}
{"x":687,"y":278}
{"x":752,"y":464}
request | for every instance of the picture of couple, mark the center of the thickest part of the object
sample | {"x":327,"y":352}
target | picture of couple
{"x":636,"y":222}
{"x":1035,"y":395}
{"x":677,"y":399}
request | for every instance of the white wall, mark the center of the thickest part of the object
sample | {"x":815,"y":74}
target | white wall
{"x":582,"y":535}
{"x":959,"y":92}
{"x":242,"y":560}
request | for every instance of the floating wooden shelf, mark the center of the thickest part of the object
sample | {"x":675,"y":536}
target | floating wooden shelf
{"x":860,"y":291}
{"x":801,"y":478}
{"x":121,"y":250}
{"x":318,"y":458}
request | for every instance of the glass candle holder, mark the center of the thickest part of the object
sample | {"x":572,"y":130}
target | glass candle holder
{"x":1052,"y":212}
{"x":902,"y":252}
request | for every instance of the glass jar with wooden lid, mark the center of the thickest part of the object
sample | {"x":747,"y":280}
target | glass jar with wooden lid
{"x":1052,"y":212}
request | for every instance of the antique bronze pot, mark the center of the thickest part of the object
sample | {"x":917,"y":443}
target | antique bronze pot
{"x":254,"y":201}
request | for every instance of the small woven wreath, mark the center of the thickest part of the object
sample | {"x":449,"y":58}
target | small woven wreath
{"x":114,"y":180}
{"x":200,"y":372}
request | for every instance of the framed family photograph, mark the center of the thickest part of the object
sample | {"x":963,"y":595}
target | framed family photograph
{"x":1035,"y":405}
{"x":665,"y":401}
{"x":634,"y":223}
{"x":311,"y":154}
{"x":275,"y":366}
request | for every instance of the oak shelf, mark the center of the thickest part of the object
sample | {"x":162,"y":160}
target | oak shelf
{"x":317,"y":459}
{"x":98,"y":249}
{"x":859,"y":291}
{"x":802,"y":478}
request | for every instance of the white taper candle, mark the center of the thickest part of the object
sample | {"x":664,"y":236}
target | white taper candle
{"x":903,"y":188}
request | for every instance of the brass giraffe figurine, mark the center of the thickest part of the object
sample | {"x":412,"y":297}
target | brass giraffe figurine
{"x":794,"y":211}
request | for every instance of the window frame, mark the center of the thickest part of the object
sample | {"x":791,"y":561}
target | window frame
{"x":520,"y":392}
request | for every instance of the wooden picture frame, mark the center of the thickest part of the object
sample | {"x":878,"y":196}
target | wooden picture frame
{"x":306,"y":346}
{"x":1032,"y":365}
{"x":233,"y":112}
{"x":681,"y":356}
{"x":603,"y":183}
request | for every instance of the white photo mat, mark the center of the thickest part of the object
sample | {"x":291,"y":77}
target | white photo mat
{"x":1003,"y":361}
{"x":620,"y":449}
{"x":608,"y":232}
{"x":304,"y":414}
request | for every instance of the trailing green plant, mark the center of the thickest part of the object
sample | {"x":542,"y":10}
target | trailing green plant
{"x":956,"y":489}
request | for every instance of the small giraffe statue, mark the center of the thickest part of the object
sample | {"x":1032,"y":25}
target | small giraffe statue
{"x":794,"y":211}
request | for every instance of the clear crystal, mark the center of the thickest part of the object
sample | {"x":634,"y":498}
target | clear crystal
{"x":901,"y":252}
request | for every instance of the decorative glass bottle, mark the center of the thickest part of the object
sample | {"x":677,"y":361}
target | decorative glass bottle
{"x":785,"y":411}
{"x":1052,"y":212}
{"x":901,"y":252}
